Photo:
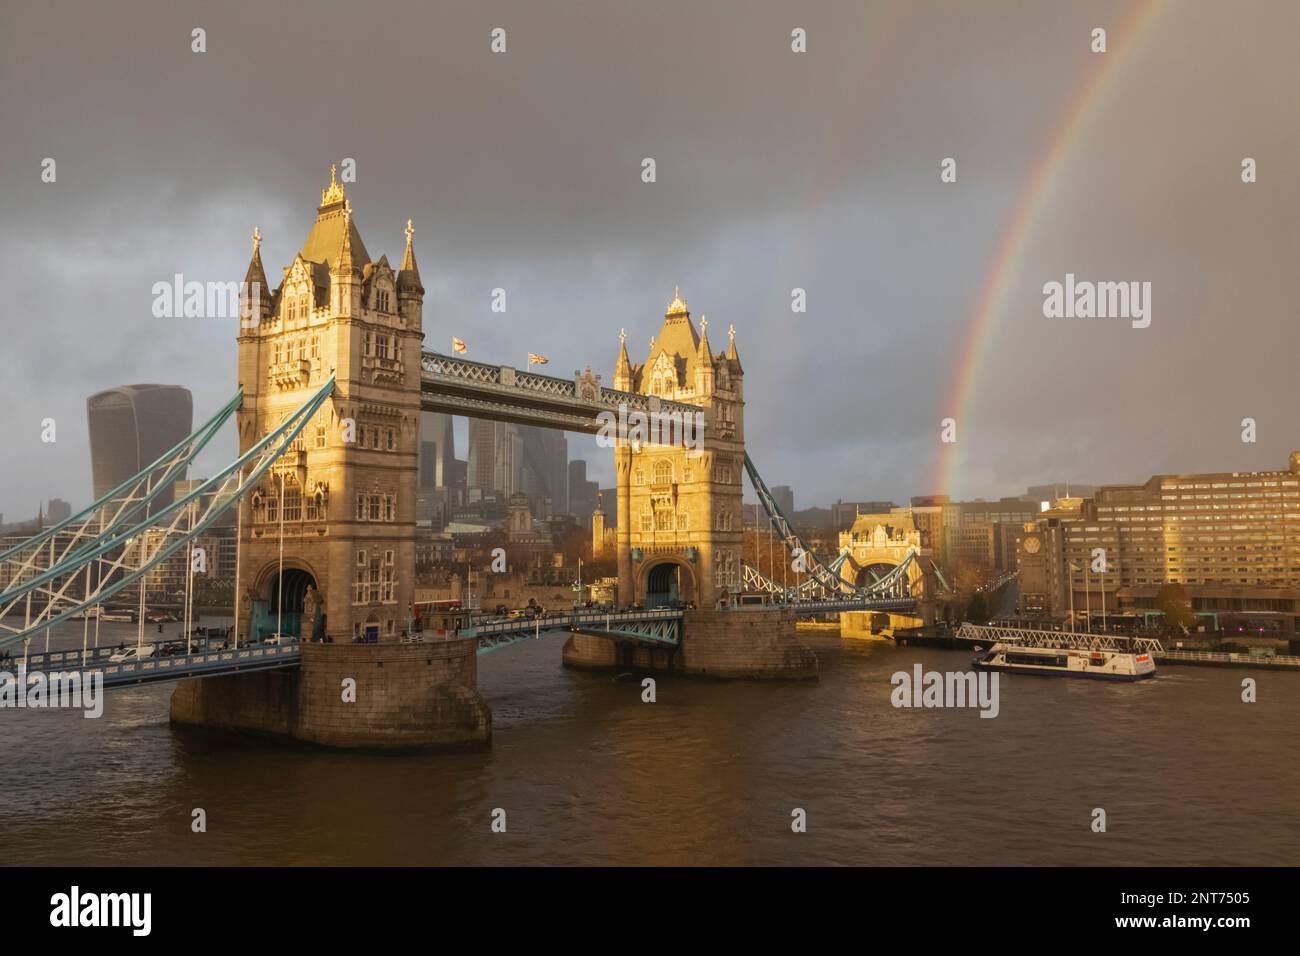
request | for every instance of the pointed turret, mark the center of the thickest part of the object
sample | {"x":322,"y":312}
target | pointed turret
{"x":255,"y":296}
{"x":345,"y":273}
{"x":704,"y":361}
{"x":732,"y":355}
{"x":408,"y":278}
{"x":410,"y":290}
{"x":623,"y":367}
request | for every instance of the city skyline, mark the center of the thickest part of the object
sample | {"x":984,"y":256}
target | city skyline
{"x":865,"y":226}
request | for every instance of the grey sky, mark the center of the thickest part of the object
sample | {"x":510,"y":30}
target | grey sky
{"x":775,"y":170}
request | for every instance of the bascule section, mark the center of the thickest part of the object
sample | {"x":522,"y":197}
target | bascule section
{"x":679,"y":490}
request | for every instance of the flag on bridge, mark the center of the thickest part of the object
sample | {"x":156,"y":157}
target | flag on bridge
{"x":457,"y":345}
{"x":534,"y":359}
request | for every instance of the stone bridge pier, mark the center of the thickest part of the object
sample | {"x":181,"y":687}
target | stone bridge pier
{"x":738,"y":643}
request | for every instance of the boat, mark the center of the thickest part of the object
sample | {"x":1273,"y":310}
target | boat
{"x":1062,"y":661}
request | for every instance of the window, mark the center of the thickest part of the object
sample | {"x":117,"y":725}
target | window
{"x":381,"y":346}
{"x":361,"y":509}
{"x":292,"y":503}
{"x":376,"y":507}
{"x":320,"y":436}
{"x":663,"y":472}
{"x":392,"y":440}
{"x":368,"y":347}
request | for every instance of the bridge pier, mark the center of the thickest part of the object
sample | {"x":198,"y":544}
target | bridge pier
{"x":877,"y":624}
{"x":353,"y":696}
{"x":735,"y":644}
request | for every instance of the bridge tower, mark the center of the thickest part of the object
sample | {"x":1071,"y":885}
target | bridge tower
{"x":343,"y":499}
{"x":679,"y":508}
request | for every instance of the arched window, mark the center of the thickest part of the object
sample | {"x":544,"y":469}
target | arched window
{"x":663,"y":472}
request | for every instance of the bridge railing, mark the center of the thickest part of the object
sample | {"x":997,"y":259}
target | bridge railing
{"x":570,"y":618}
{"x":170,"y":667}
{"x":1083,"y":641}
{"x":465,"y":370}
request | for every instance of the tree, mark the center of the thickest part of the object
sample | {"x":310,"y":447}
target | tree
{"x":1172,"y":601}
{"x":977,"y":611}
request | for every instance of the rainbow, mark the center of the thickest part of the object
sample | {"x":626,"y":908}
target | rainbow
{"x":1015,"y":236}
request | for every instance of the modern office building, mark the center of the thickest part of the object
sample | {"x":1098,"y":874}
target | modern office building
{"x":544,"y":471}
{"x":496,"y":456}
{"x":583,"y":494}
{"x":132,"y":426}
{"x":1230,"y":539}
{"x":437,"y":451}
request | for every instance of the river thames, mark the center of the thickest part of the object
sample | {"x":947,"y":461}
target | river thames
{"x":709,"y":774}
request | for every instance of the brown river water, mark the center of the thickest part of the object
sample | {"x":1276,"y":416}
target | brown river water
{"x":710,"y":773}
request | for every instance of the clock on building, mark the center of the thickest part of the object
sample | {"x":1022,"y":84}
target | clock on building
{"x":1032,"y":544}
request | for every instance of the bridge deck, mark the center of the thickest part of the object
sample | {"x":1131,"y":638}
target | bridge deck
{"x":458,"y":386}
{"x":204,"y":663}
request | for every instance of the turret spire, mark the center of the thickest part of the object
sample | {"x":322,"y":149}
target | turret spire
{"x":334,"y":191}
{"x":623,"y":367}
{"x":255,"y":271}
{"x":704,"y":353}
{"x":408,"y":278}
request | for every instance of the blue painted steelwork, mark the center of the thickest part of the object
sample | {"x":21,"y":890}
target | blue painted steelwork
{"x":662,"y":627}
{"x":823,"y":579}
{"x":157,"y":669}
{"x":261,"y":456}
{"x":173,"y":463}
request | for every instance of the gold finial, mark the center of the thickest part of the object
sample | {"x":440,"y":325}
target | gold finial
{"x":704,"y":324}
{"x":677,"y":306}
{"x":334,"y":191}
{"x":410,"y":232}
{"x":731,"y":332}
{"x":347,"y":211}
{"x":257,"y":239}
{"x":622,"y":336}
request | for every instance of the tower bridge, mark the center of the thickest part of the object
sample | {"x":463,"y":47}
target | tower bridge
{"x":333,"y":378}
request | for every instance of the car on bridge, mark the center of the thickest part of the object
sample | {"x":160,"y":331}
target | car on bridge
{"x":132,"y":654}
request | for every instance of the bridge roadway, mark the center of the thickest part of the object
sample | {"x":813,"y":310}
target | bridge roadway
{"x":658,"y":626}
{"x":458,"y":386}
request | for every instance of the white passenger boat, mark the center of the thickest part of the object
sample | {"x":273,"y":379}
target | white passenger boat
{"x":1067,"y":662}
{"x":1062,"y":654}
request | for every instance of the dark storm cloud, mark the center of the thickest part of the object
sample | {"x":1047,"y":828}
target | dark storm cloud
{"x":775,"y":171}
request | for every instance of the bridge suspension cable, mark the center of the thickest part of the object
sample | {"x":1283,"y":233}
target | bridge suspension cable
{"x":824,"y":579}
{"x":67,"y":538}
{"x":127,"y":552}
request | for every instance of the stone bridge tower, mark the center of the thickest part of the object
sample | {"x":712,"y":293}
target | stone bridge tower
{"x":344,"y":496}
{"x":679,"y":509}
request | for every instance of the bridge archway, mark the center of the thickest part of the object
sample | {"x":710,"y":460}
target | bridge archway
{"x":873,"y":572}
{"x":665,"y":580}
{"x":268,"y":613}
